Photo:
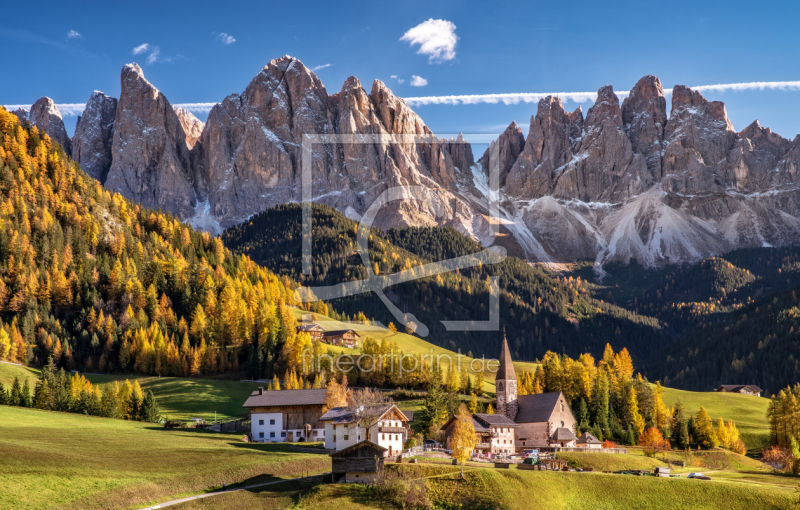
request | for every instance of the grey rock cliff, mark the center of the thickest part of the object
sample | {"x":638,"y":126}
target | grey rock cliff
{"x":150,"y":158}
{"x":94,"y":136}
{"x":44,"y":115}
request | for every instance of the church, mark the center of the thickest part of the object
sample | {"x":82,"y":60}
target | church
{"x":543,"y":420}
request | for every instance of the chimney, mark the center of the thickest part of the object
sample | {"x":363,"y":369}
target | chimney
{"x":260,"y":390}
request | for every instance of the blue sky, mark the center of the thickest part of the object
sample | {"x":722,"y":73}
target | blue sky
{"x":501,"y":48}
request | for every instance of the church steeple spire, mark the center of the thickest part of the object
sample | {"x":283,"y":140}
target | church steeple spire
{"x":506,"y":382}
{"x":506,"y":368}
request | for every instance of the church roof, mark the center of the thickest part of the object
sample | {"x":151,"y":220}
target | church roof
{"x":496,"y":419}
{"x":563,"y":434}
{"x":536,"y":408}
{"x":506,"y":368}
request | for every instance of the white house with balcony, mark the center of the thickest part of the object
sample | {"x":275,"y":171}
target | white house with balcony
{"x":286,"y":415}
{"x":343,"y":428}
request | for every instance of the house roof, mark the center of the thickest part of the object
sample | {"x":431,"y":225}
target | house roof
{"x":537,"y":407}
{"x":587,"y":438}
{"x":340,"y":332}
{"x":496,"y":420}
{"x":739,"y":387}
{"x":505,"y":370}
{"x":271,"y":398}
{"x":479,"y":426}
{"x":344,"y":415}
{"x":563,"y":434}
{"x":409,"y":415}
{"x":344,"y":451}
{"x":310,"y":327}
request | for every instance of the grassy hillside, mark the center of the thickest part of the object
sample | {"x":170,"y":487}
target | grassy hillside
{"x":55,"y":460}
{"x":749,"y":413}
{"x":410,"y":344}
{"x":9,"y":371}
{"x":515,"y":489}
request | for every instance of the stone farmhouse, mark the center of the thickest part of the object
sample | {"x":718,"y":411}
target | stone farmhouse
{"x":343,"y":429}
{"x":286,"y":415}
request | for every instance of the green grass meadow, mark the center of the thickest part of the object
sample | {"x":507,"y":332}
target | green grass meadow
{"x":748,"y":412}
{"x":62,"y":460}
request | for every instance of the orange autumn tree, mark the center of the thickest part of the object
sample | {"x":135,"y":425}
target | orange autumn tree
{"x":652,"y":438}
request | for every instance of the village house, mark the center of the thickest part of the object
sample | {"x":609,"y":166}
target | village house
{"x":342,"y":337}
{"x":286,"y":415}
{"x":587,"y":440}
{"x":748,"y":389}
{"x":495,"y":433}
{"x":358,"y":463}
{"x":315,"y":330}
{"x":343,"y":429}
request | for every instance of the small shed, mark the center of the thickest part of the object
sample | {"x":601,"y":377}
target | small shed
{"x":359,"y":463}
{"x":587,"y":440}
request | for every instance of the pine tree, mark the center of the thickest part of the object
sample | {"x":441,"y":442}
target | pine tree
{"x":704,"y":429}
{"x":16,"y":393}
{"x":434,"y":408}
{"x":473,"y":403}
{"x":600,"y":402}
{"x":680,"y":431}
{"x":150,"y":409}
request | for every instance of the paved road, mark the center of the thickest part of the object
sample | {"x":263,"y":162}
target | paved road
{"x":217,"y":493}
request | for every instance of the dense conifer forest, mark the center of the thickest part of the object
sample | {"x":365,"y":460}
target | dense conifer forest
{"x":100,"y":284}
{"x":538,"y":312}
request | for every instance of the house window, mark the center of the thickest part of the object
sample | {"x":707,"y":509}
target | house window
{"x":562,"y":423}
{"x":272,"y":434}
{"x":261,"y":435}
{"x":562,"y":407}
{"x":283,"y":434}
{"x":383,"y":436}
{"x":261,"y":422}
{"x":271,"y":422}
{"x":346,"y":437}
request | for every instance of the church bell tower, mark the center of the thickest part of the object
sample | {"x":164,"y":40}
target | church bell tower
{"x":506,"y":383}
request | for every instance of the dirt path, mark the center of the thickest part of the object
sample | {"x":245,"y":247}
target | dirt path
{"x":216,"y":493}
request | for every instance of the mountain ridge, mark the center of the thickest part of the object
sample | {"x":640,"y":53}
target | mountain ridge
{"x":625,"y":181}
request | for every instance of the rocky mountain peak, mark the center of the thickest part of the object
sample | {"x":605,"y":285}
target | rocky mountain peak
{"x":150,"y":158}
{"x":45,"y":115}
{"x":506,"y":149}
{"x":94,"y":135}
{"x":644,"y":116}
{"x":192,"y":126}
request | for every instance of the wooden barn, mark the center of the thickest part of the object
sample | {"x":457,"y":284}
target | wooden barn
{"x":342,"y":337}
{"x":359,"y":463}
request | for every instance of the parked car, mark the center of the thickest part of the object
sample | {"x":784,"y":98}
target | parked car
{"x":698,"y":476}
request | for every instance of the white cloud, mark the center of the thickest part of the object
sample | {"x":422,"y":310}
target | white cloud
{"x":436,"y":38}
{"x":71,"y":109}
{"x":320,"y":67}
{"x":399,"y":80}
{"x":73,"y":34}
{"x":141,"y":49}
{"x":582,"y":97}
{"x":153,"y":57}
{"x":418,"y":81}
{"x":226,"y":39}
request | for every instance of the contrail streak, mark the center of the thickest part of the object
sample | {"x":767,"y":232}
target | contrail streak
{"x":72,"y":109}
